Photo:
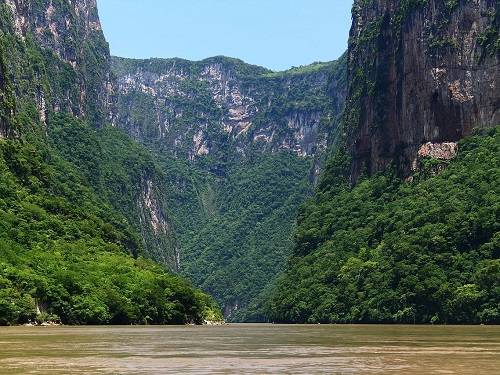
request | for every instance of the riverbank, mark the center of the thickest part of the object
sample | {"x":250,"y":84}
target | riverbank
{"x":58,"y":324}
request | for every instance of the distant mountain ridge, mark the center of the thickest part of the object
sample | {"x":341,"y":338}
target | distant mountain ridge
{"x":191,"y":104}
{"x":249,"y":144}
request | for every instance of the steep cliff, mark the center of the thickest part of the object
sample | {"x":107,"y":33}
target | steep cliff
{"x":419,"y":71}
{"x":222,"y":105}
{"x":80,"y":201}
{"x":66,"y":40}
{"x":7,"y":101}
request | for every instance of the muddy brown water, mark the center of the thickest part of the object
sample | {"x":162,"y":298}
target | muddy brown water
{"x":253,"y":349}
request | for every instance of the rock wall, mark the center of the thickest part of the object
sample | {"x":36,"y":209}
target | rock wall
{"x":81,"y":82}
{"x":419,"y":71}
{"x":55,"y":23}
{"x":7,"y":103}
{"x":156,"y":232}
{"x":224,"y":105}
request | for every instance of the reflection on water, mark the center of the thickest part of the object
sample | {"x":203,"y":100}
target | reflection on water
{"x":256,"y":349}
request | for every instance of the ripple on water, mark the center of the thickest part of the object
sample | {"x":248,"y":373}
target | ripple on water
{"x":253,"y":349}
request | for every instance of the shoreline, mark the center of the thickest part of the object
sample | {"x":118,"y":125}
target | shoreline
{"x":227,"y":324}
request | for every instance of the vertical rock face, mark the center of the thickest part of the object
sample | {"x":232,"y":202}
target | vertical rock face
{"x":71,"y":30}
{"x":155,"y":228}
{"x":55,"y":23}
{"x":195,"y":109}
{"x":419,"y":71}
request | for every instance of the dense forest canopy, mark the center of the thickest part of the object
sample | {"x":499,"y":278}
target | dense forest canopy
{"x":393,"y":251}
{"x":67,"y":253}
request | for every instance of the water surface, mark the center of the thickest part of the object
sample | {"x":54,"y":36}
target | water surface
{"x":255,"y":349}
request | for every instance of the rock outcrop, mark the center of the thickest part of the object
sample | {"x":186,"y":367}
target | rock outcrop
{"x":419,"y":71}
{"x":157,"y":234}
{"x":438,"y":153}
{"x":80,"y":76}
{"x":217,"y":105}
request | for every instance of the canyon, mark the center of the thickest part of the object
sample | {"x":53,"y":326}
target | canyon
{"x":285,"y":195}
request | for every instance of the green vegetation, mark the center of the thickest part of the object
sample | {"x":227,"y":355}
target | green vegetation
{"x":117,"y":168}
{"x":72,"y":245}
{"x":234,"y":230}
{"x":406,"y":8}
{"x":124,"y":66}
{"x":41,"y":73}
{"x":82,"y":205}
{"x":245,"y":237}
{"x":489,"y":40}
{"x":300,"y":70}
{"x":391,"y":251}
{"x":65,"y":251}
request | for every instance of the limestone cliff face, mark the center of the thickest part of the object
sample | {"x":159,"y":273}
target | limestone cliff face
{"x":195,"y":109}
{"x":156,"y":232}
{"x":55,"y":23}
{"x":419,"y":71}
{"x":80,"y":79}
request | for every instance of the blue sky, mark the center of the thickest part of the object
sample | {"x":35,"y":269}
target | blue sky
{"x":277,"y":34}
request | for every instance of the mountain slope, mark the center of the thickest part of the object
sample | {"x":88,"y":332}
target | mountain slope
{"x":389,"y":251}
{"x":241,"y":147}
{"x":404,"y":225}
{"x":70,"y":247}
{"x":66,"y":255}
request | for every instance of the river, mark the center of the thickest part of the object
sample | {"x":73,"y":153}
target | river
{"x":254,"y":349}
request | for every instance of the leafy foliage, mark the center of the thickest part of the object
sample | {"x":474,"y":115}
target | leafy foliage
{"x":392,"y":251}
{"x":245,"y":236}
{"x":118,"y":169}
{"x":66,"y":252}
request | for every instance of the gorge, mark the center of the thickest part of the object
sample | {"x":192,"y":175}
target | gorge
{"x":363,"y":190}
